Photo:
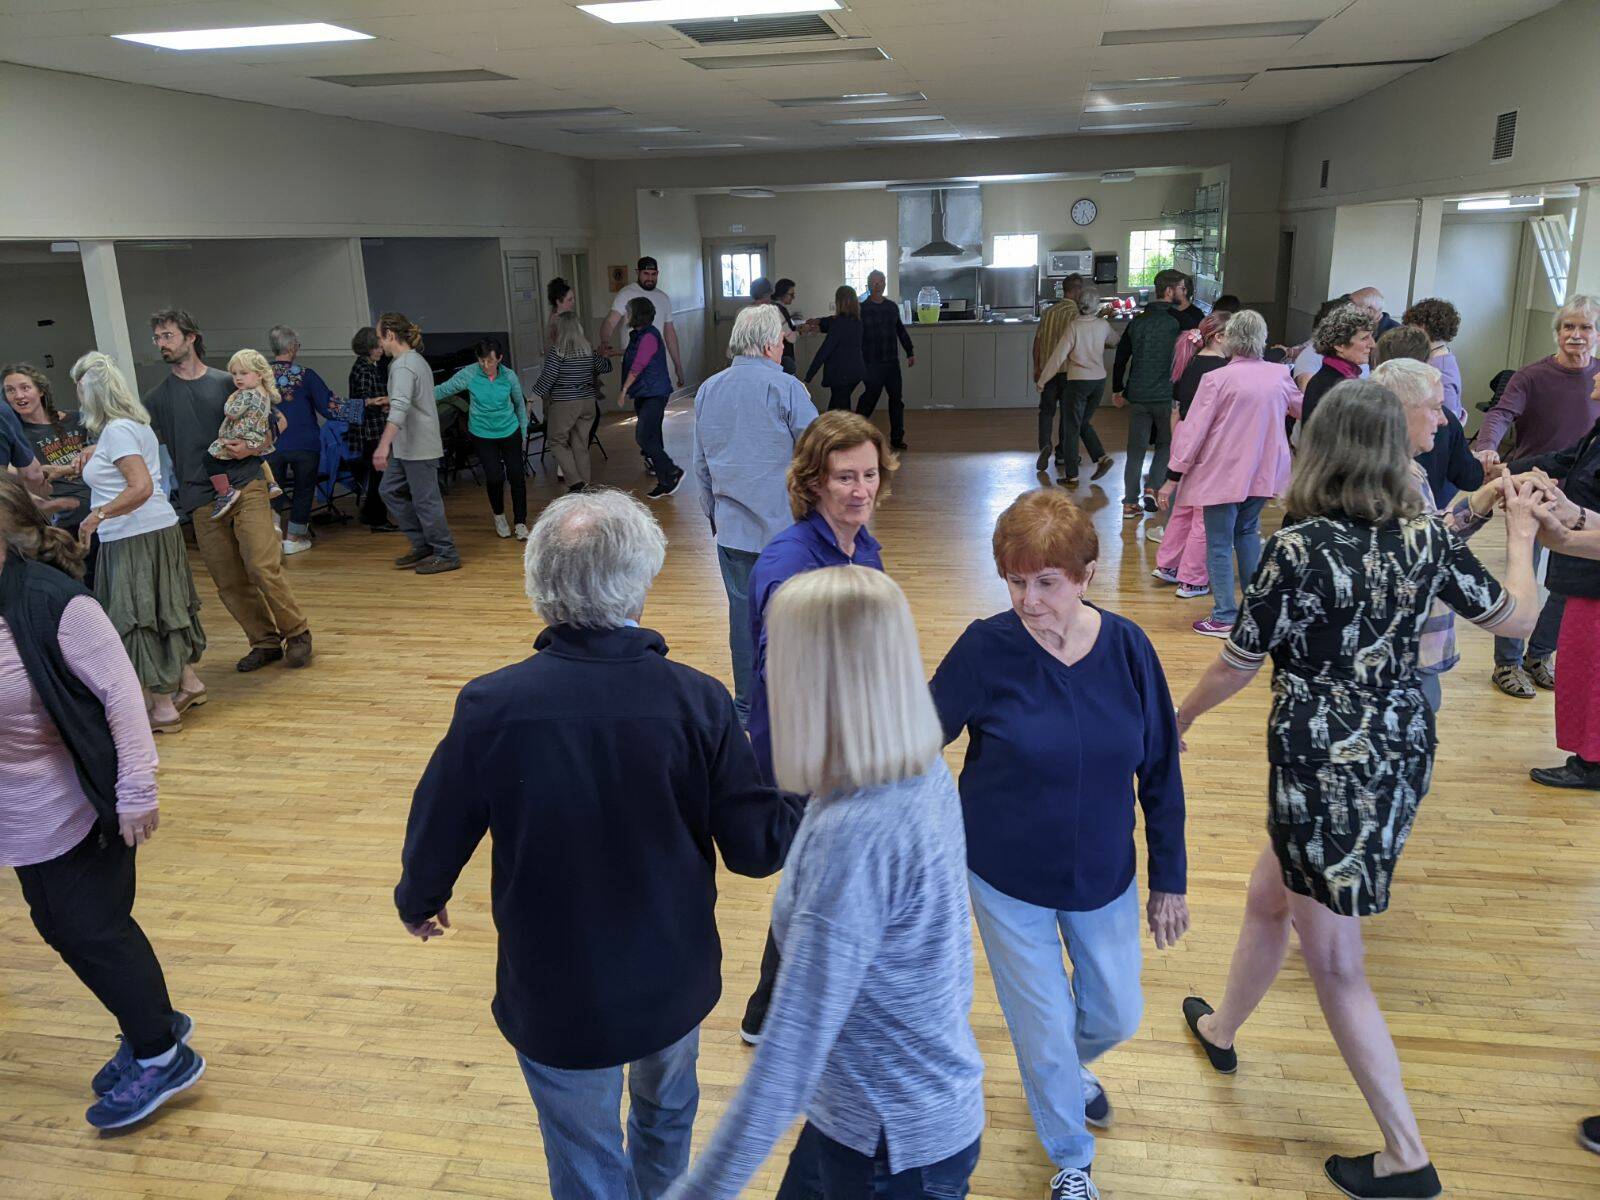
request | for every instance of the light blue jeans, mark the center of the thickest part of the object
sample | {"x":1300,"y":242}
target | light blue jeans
{"x":736,"y":566}
{"x":1232,"y":529}
{"x":579,"y":1120}
{"x":1057,"y":1024}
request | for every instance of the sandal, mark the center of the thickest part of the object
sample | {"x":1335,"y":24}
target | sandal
{"x":1513,"y":681}
{"x":166,"y":726}
{"x":183,"y":701}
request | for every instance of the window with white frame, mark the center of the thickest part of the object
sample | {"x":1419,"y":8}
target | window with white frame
{"x":1016,"y":250}
{"x":862,"y":258}
{"x":740,"y":268}
{"x":1149,"y":252}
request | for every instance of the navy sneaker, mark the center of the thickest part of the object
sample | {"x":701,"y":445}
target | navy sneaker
{"x":142,"y":1090}
{"x":1096,"y":1104}
{"x":106,"y":1077}
{"x":1073,"y":1183}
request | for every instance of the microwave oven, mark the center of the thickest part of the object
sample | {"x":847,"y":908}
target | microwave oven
{"x":1070,"y":262}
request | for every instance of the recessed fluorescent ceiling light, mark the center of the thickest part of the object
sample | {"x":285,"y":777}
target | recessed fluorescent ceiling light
{"x":660,"y":129}
{"x":753,"y":193}
{"x":905,"y":120}
{"x":1496,"y":203}
{"x":402,"y":78}
{"x":249,"y":35}
{"x":1126,"y":125}
{"x":1116,"y":176}
{"x":634,"y":11}
{"x":915,"y":137}
{"x":1161,"y":81}
{"x":1150,"y":105}
{"x":805,"y":58}
{"x":851,"y":99}
{"x":1207,"y":33}
{"x":564,"y":114}
{"x":706,"y":146}
{"x":937,"y":185}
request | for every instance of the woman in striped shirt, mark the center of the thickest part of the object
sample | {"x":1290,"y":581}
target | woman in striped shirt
{"x":567,"y":388}
{"x":77,"y":796}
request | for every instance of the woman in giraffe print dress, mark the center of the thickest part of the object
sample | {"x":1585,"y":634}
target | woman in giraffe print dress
{"x":1339,"y":604}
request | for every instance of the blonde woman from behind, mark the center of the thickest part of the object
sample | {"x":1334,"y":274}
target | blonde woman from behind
{"x":867,"y":1033}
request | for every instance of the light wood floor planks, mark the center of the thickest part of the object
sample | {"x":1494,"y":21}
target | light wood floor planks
{"x":347,"y":1060}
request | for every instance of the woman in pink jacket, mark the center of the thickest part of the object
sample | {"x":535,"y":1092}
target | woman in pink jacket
{"x":1182,"y":558}
{"x":1231,"y":455}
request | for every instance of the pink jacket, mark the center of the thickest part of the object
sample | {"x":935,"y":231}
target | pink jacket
{"x":1232,"y":445}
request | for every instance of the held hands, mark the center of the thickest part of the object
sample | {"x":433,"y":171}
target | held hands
{"x":430,"y":927}
{"x":1168,"y":917}
{"x":1164,"y":496}
{"x":1521,"y":498}
{"x":1118,"y":400}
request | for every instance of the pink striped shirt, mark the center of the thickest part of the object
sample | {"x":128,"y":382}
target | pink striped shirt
{"x":43,"y":811}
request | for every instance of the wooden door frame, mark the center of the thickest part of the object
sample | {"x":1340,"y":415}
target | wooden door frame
{"x":713,"y":285}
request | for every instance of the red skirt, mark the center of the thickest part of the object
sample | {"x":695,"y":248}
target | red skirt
{"x":1578,"y":679}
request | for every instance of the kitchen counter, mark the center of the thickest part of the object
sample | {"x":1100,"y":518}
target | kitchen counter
{"x":960,"y":364}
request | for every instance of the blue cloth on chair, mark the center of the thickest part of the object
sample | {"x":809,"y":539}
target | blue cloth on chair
{"x":331,"y":471}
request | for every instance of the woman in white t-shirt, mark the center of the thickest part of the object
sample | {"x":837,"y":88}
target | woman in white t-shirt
{"x":142,"y":580}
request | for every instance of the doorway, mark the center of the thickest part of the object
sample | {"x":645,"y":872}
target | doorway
{"x":732,"y":265}
{"x":573,"y":266}
{"x":1280,"y":295}
{"x":525,"y":304}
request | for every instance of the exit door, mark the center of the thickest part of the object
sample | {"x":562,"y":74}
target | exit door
{"x":525,"y":304}
{"x":732,"y":265}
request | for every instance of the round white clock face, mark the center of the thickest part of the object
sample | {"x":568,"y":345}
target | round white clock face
{"x":1084,"y":212}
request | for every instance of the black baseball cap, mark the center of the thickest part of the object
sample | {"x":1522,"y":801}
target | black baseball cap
{"x":648,"y":264}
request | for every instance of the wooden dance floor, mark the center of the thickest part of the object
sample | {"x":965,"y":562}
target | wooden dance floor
{"x":349,"y":1060}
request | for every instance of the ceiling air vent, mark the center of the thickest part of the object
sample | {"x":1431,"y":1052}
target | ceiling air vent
{"x":1505,"y":136}
{"x":1324,"y":182}
{"x":794,"y":27}
{"x":405,"y":78}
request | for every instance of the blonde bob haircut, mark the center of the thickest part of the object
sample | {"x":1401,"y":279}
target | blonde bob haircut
{"x":253,"y":360}
{"x":848,"y":697}
{"x":829,"y":434}
{"x":103,"y":393}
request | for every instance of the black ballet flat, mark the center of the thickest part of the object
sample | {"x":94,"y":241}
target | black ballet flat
{"x":1355,"y":1177}
{"x":1226,"y":1061}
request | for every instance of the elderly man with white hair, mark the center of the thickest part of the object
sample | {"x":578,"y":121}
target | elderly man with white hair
{"x":1550,"y":404}
{"x":607,"y":776}
{"x":746,"y":422}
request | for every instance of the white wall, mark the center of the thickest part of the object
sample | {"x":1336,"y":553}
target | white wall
{"x":53,"y":292}
{"x":1478,"y":262}
{"x":1372,"y":247}
{"x":238,"y":289}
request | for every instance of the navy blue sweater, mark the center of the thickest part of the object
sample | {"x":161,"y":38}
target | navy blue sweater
{"x":606,"y":775}
{"x":1048,"y":783}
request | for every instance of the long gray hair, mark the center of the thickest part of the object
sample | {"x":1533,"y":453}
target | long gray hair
{"x":1354,"y":458}
{"x":571,"y":341}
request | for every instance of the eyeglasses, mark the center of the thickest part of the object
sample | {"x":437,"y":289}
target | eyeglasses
{"x":170,"y":335}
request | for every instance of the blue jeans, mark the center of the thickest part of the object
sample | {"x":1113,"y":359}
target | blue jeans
{"x":736,"y":567}
{"x":578,"y":1120}
{"x":651,"y":412}
{"x":1058,"y":1024}
{"x":1232,"y":529}
{"x":846,"y":1174}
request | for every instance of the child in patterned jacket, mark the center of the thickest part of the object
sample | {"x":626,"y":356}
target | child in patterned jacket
{"x":247,"y":417}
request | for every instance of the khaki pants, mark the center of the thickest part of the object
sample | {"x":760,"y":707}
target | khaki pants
{"x":566,"y":430}
{"x":244,"y":554}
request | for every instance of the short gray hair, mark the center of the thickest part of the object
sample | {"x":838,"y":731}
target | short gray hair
{"x":1415,"y":383}
{"x":103,"y":393}
{"x":1088,"y":301}
{"x":282,"y":339}
{"x":754,"y":330}
{"x":1340,"y":327}
{"x":1580,"y":305}
{"x":591,"y":559}
{"x":1245,"y":334}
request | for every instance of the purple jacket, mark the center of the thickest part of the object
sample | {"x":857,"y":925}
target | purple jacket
{"x":1232,"y":446}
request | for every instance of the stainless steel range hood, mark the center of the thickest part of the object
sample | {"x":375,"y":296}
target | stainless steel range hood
{"x":938,"y":247}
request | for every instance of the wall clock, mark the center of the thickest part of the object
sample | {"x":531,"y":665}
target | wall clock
{"x":1084,"y":212}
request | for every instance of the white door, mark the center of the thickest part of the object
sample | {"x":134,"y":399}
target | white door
{"x":525,"y":303}
{"x":732,"y":265}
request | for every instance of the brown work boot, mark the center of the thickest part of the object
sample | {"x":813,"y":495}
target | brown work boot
{"x":412,"y":557}
{"x":297,"y":650}
{"x":258,"y":657}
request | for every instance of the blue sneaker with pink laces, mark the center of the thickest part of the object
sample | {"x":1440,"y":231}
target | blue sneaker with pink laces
{"x":106,"y":1077}
{"x":142,"y":1090}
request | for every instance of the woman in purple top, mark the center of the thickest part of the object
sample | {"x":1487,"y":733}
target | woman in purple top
{"x":1441,"y":322}
{"x":77,"y":797}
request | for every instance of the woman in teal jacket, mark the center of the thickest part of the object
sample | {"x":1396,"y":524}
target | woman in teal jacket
{"x":497,"y":420}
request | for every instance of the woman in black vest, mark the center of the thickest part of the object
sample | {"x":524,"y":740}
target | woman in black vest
{"x":77,"y":795}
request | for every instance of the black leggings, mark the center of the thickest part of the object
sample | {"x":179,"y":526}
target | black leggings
{"x":82,"y":905}
{"x":839,"y":395}
{"x":501,"y":459}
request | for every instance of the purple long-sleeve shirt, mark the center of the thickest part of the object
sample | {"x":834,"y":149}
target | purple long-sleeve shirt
{"x":1548,"y":403}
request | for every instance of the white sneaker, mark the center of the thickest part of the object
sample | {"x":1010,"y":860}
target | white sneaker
{"x":1154,"y":533}
{"x":1185,"y":592}
{"x":500,"y":525}
{"x":521,"y":532}
{"x":296,"y":545}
